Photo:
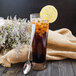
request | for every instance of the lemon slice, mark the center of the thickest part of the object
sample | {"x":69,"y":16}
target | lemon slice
{"x":49,"y":13}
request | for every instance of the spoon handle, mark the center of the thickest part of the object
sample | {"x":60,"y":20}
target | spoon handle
{"x":32,"y":36}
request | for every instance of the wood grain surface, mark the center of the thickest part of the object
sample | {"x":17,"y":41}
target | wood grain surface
{"x":54,"y":68}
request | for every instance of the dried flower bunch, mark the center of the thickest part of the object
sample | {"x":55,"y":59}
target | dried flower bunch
{"x":13,"y":32}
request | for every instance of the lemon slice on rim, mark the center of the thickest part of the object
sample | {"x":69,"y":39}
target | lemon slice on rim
{"x":49,"y":13}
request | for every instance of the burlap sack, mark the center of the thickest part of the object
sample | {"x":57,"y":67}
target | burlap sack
{"x":61,"y":45}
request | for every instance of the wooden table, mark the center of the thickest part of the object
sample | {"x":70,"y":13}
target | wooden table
{"x":54,"y":68}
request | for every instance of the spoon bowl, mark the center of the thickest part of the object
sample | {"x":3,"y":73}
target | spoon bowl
{"x":27,"y":67}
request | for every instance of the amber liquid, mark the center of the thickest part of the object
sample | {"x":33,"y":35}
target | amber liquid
{"x":39,"y":41}
{"x":39,"y":48}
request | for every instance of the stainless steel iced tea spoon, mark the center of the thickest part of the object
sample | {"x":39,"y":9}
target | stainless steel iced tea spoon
{"x":27,"y":65}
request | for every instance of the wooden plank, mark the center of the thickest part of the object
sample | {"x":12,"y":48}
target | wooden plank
{"x":47,"y":71}
{"x":13,"y":71}
{"x":65,"y":68}
{"x":1,"y":70}
{"x":74,"y":66}
{"x":20,"y":73}
{"x":32,"y":73}
{"x":54,"y":68}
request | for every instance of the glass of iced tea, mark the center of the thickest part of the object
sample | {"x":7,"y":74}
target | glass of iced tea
{"x":39,"y":43}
